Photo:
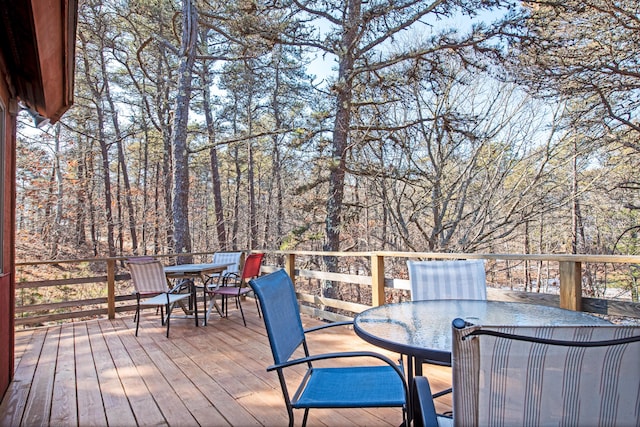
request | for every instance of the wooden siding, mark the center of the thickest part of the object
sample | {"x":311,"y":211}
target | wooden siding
{"x":98,"y":373}
{"x":6,"y":332}
{"x":7,"y":225}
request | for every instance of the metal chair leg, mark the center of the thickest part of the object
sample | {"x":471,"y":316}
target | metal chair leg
{"x":168,"y":318}
{"x":137,"y":316}
{"x":239,"y":304}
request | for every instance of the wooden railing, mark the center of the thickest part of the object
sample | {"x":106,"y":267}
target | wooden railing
{"x":374,"y":275}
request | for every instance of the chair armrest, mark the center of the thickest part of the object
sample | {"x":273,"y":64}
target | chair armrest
{"x":325,"y":356}
{"x":397,"y":368}
{"x":228,"y":276}
{"x":606,"y":343}
{"x":182,"y":285}
{"x":424,"y":411}
{"x":328,"y":325}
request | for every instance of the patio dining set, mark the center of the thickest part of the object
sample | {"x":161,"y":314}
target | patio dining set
{"x":164,"y":287}
{"x":511,"y":363}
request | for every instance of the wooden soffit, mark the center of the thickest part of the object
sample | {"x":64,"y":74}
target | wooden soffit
{"x":37,"y":38}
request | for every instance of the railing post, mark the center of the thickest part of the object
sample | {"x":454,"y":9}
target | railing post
{"x":571,"y":285}
{"x":377,"y":280}
{"x":290,"y":266}
{"x":111,"y":288}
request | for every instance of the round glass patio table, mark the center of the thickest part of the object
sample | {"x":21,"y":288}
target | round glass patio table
{"x":422,"y":329}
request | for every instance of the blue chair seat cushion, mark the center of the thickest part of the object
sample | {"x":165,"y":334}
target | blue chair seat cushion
{"x":352,"y":387}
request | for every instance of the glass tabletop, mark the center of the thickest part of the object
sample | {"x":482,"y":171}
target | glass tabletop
{"x":423,"y":328}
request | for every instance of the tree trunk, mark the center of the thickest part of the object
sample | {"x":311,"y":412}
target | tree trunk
{"x":104,"y":148}
{"x":167,"y":183}
{"x":236,"y":201}
{"x":104,"y":151}
{"x":91,"y":203}
{"x":341,"y":126}
{"x":124,"y":173}
{"x":277,"y":187}
{"x":527,"y":275}
{"x":166,"y":130}
{"x":221,"y":231}
{"x":145,"y":187}
{"x":253,"y":224}
{"x":57,"y":194}
{"x":540,"y":251}
{"x":574,"y":195}
{"x":578,"y":225}
{"x":81,"y":199}
{"x":119,"y":213}
{"x":156,"y":210}
{"x":180,"y":193}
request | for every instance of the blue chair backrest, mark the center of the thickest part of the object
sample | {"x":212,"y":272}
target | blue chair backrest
{"x":281,"y":313}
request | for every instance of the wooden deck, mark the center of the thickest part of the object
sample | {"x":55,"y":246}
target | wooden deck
{"x":98,"y":373}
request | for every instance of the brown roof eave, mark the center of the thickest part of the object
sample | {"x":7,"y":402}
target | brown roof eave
{"x":37,"y":38}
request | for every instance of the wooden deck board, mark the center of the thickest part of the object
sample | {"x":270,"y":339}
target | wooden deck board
{"x":141,"y":402}
{"x":63,"y":407}
{"x":99,"y":373}
{"x":114,"y":397}
{"x":88,"y":394}
{"x":38,"y":407}
{"x":14,"y":402}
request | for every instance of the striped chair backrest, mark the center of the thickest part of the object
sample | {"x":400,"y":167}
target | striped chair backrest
{"x":507,"y":381}
{"x":434,"y":280}
{"x":148,"y":276}
{"x":228,"y":257}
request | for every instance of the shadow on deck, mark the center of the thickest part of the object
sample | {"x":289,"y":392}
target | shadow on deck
{"x":98,"y":373}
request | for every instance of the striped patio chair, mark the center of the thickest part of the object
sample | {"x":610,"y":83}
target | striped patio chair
{"x":222,"y":258}
{"x":433,"y":280}
{"x":443,"y":280}
{"x":152,"y":289}
{"x":554,"y":375}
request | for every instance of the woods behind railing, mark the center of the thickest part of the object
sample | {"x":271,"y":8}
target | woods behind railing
{"x":364,"y":269}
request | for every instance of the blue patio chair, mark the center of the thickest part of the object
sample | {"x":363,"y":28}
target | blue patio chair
{"x":378,"y":385}
{"x":554,"y":375}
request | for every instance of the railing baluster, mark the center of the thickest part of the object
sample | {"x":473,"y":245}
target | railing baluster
{"x":290,"y":266}
{"x":111,"y":288}
{"x":377,"y":280}
{"x":571,"y":285}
